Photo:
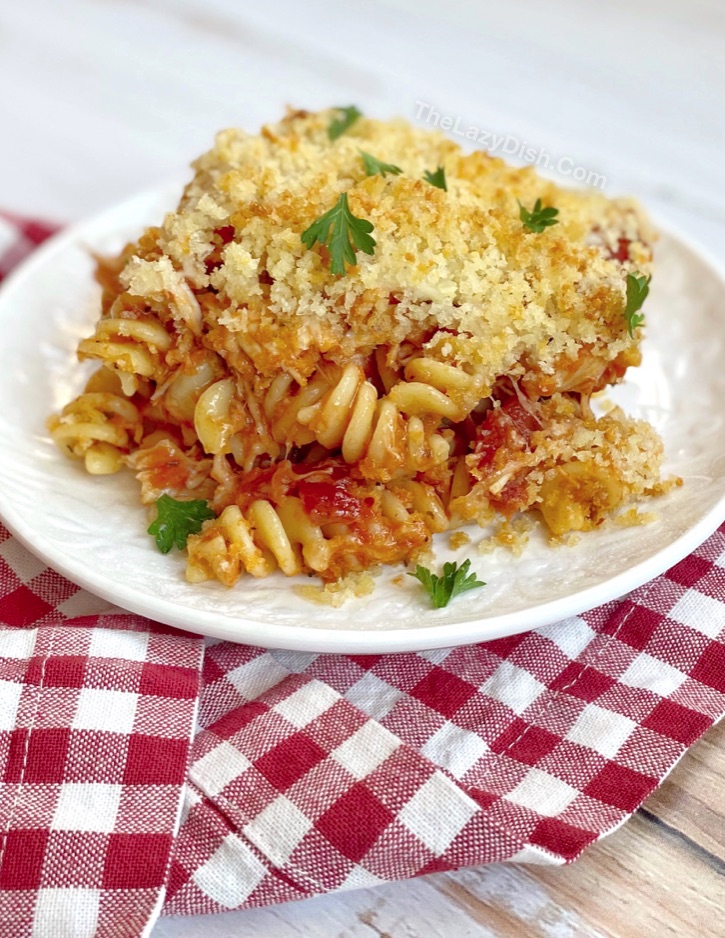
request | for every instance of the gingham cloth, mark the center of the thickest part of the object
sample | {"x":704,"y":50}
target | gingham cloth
{"x":145,"y":771}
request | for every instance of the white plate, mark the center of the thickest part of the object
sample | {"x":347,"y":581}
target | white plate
{"x":92,"y":529}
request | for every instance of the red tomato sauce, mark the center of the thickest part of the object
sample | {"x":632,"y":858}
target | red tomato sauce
{"x":509,"y":427}
{"x":622,"y":252}
{"x":325,"y":502}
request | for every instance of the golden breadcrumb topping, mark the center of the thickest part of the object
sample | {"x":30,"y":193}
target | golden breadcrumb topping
{"x":458,"y":539}
{"x":339,"y":592}
{"x":522,"y":303}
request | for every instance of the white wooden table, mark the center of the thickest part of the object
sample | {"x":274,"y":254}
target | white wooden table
{"x":101,"y":99}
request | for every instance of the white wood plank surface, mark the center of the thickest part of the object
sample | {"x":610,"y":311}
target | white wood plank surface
{"x":101,"y":98}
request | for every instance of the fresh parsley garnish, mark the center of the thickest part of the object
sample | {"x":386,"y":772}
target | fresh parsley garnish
{"x":455,"y":580}
{"x":338,"y":126}
{"x":176,"y":520}
{"x":374,"y":166}
{"x":438,"y":178}
{"x":538,"y":219}
{"x":637,"y":290}
{"x":342,"y":232}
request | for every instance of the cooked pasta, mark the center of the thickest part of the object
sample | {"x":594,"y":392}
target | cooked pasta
{"x":345,"y":364}
{"x":99,"y":428}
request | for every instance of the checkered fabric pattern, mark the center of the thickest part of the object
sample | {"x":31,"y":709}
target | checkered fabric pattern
{"x":18,"y":237}
{"x":145,"y":772}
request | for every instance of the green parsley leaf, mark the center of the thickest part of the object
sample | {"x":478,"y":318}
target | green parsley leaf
{"x":637,"y":290}
{"x":455,"y":580}
{"x":342,"y":232}
{"x":176,"y":520}
{"x":374,"y":166}
{"x":338,"y":126}
{"x":538,"y":219}
{"x":438,"y":178}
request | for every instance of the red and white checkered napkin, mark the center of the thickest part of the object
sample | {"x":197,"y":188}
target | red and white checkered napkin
{"x":144,"y":771}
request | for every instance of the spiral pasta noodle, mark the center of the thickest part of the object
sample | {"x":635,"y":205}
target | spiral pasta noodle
{"x":133,"y":347}
{"x":265,"y":537}
{"x":261,"y":540}
{"x":98,"y":428}
{"x":398,"y":434}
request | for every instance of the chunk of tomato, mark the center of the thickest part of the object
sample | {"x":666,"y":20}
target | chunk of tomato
{"x":326,"y":502}
{"x":509,"y":427}
{"x":622,"y":252}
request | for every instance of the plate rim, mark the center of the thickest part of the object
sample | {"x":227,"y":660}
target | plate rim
{"x":334,"y":640}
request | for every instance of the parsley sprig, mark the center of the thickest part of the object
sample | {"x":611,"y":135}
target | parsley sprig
{"x":342,"y":232}
{"x":176,"y":520}
{"x":539,"y":218}
{"x":338,"y":125}
{"x":637,"y":290}
{"x":437,"y":178}
{"x":376,"y":167}
{"x":455,"y":580}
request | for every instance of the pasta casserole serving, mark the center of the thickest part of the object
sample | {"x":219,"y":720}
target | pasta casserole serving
{"x":350,"y":335}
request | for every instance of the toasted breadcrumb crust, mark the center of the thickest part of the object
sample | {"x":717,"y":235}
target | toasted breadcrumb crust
{"x":339,"y":592}
{"x":522,"y":303}
{"x":459,"y":539}
{"x":511,"y":534}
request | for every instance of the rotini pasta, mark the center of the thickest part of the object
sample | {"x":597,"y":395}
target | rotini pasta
{"x":264,"y":537}
{"x":387,"y":436}
{"x":340,"y":401}
{"x":98,"y":428}
{"x":133,"y":347}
